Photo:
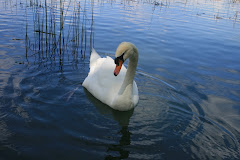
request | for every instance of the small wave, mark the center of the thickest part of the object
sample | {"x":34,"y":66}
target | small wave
{"x":155,"y":78}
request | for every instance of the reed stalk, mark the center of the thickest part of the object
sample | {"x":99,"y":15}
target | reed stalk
{"x":53,"y":40}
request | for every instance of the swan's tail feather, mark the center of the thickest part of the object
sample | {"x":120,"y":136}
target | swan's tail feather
{"x":94,"y":56}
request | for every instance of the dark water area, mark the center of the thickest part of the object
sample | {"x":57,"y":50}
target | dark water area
{"x":188,"y":78}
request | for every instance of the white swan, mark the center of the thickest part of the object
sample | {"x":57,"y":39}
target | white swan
{"x":112,"y":87}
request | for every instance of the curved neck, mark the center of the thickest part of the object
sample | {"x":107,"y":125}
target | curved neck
{"x":131,"y":70}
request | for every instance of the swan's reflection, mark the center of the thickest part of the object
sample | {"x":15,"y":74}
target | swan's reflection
{"x":123,"y":119}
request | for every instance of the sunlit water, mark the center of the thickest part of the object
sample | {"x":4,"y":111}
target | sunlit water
{"x":188,"y":78}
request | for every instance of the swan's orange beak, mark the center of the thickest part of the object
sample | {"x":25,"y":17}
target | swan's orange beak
{"x":118,"y":68}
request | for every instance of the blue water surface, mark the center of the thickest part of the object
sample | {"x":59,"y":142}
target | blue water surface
{"x":188,"y":78}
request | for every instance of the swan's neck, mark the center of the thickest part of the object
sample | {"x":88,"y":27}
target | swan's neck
{"x":127,"y":85}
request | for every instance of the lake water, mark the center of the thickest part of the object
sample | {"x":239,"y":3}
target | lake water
{"x":188,"y":78}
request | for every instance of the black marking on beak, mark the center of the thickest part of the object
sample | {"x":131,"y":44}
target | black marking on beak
{"x":116,"y":60}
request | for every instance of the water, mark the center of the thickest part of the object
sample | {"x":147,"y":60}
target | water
{"x":188,"y":78}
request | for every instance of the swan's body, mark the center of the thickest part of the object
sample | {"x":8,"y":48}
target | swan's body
{"x":119,"y":92}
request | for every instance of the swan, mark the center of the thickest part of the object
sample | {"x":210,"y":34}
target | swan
{"x":112,"y":87}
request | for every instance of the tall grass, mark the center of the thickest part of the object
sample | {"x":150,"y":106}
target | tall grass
{"x":58,"y":30}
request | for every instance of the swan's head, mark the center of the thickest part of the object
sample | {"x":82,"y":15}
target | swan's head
{"x":124,"y":51}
